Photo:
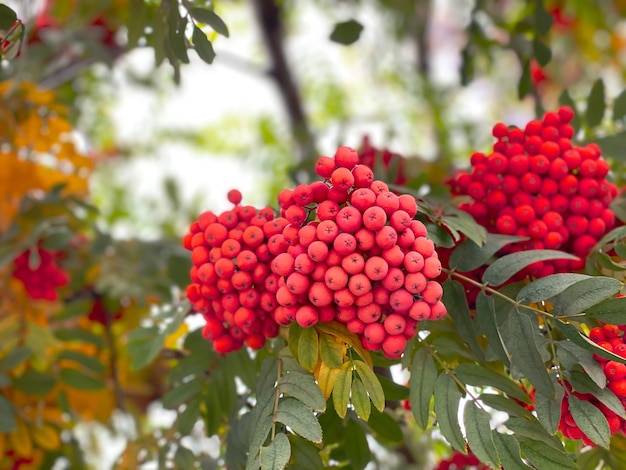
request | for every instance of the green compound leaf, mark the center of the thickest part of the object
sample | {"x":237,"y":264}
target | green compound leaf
{"x":546,"y":287}
{"x":303,"y":387}
{"x":447,"y":399}
{"x":469,"y":255}
{"x":276,"y":455}
{"x":502,"y":269}
{"x":591,"y":421}
{"x":300,"y":418}
{"x":35,"y":382}
{"x":422,"y":386}
{"x":360,"y":400}
{"x":341,"y":390}
{"x":372,"y":385}
{"x":89,"y":362}
{"x":584,"y":294}
{"x":479,"y":432}
{"x":80,"y":380}
{"x":308,"y":349}
{"x":346,"y":32}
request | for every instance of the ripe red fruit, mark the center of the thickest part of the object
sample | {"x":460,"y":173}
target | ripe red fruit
{"x":346,"y":157}
{"x":234,"y":196}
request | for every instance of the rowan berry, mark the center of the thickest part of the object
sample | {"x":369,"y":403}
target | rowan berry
{"x":393,"y":346}
{"x":346,"y":157}
{"x":363,"y":176}
{"x":324,"y":166}
{"x":327,"y":210}
{"x":349,"y":219}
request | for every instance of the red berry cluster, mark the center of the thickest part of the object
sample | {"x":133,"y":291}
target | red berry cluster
{"x":41,"y":281}
{"x":536,"y":183}
{"x":355,"y":254}
{"x":372,"y":157}
{"x":612,"y":338}
{"x":231,"y":281}
{"x":461,"y":461}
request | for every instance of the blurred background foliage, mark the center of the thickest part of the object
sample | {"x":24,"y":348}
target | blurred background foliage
{"x":115,"y":133}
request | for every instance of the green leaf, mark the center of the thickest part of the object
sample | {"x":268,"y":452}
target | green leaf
{"x":207,"y":16}
{"x":89,"y":362}
{"x":590,"y":420}
{"x":393,"y":391}
{"x":529,"y":427}
{"x":372,"y":385}
{"x":542,"y":52}
{"x":422,"y":386}
{"x":477,"y":375}
{"x":177,"y":39}
{"x":549,"y":408}
{"x":385,"y":427}
{"x":184,"y":458}
{"x":7,"y":17}
{"x":202,"y":45}
{"x":7,"y":415}
{"x":81,"y":381}
{"x":595,"y":104}
{"x":478,"y":433}
{"x":277,"y":454}
{"x":547,"y":287}
{"x":80,"y":335}
{"x":14,"y":358}
{"x":189,"y":416}
{"x":583,"y":341}
{"x":584,"y":294}
{"x":74,"y":308}
{"x":356,"y":446}
{"x":610,"y":311}
{"x":542,"y":19}
{"x":583,"y":384}
{"x":543,"y":456}
{"x":308,"y":349}
{"x":360,"y":400}
{"x":346,"y":32}
{"x":300,"y":418}
{"x":502,"y":403}
{"x":619,"y":106}
{"x":469,"y":255}
{"x":331,"y":351}
{"x":613,"y":146}
{"x":447,"y":399}
{"x":525,"y":85}
{"x":34,"y":382}
{"x":341,"y":391}
{"x":518,"y":334}
{"x":508,"y":451}
{"x":456,"y":302}
{"x":305,"y":455}
{"x":304,"y":388}
{"x":459,"y":222}
{"x":178,"y":395}
{"x":144,"y":345}
{"x":136,"y":22}
{"x":502,"y":269}
{"x":486,"y":323}
{"x":570,"y":354}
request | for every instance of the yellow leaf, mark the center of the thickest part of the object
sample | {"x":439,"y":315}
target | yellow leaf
{"x":326,"y":377}
{"x":46,"y":437}
{"x":171,"y":341}
{"x":340,"y":331}
{"x":20,"y":440}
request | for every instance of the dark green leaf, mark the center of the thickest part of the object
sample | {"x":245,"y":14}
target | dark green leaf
{"x":144,"y":345}
{"x":508,"y":451}
{"x":81,"y":381}
{"x":456,"y":302}
{"x":469,"y":255}
{"x":341,"y":391}
{"x":346,"y":32}
{"x":595,"y":104}
{"x":542,"y":52}
{"x":184,"y":458}
{"x":502,"y":269}
{"x":477,"y":375}
{"x":34,"y":382}
{"x":308,"y":349}
{"x":305,"y":455}
{"x":7,"y":17}
{"x":14,"y":358}
{"x":189,"y":416}
{"x":583,"y":341}
{"x":460,"y":222}
{"x":276,"y":455}
{"x":518,"y":334}
{"x":136,"y":21}
{"x":372,"y":385}
{"x":304,"y":388}
{"x":530,"y":428}
{"x":486,"y":323}
{"x":543,"y":456}
{"x":178,"y":395}
{"x":207,"y":16}
{"x":613,"y":146}
{"x":7,"y":415}
{"x":75,"y":308}
{"x":619,"y":106}
{"x":202,"y":45}
{"x":80,"y":335}
{"x":360,"y":401}
{"x":503,"y":403}
{"x":356,"y":446}
{"x":584,"y":294}
{"x":525,"y":85}
{"x":590,"y":420}
{"x":84,"y":360}
{"x":547,"y":287}
{"x":542,"y":19}
{"x":422,"y":386}
{"x":177,"y":39}
{"x":610,"y":311}
{"x":583,"y":384}
{"x":300,"y":418}
{"x":385,"y":427}
{"x":447,"y":399}
{"x":571,"y":354}
{"x":549,"y":408}
{"x":478,"y":433}
{"x":393,"y":391}
{"x":57,"y":240}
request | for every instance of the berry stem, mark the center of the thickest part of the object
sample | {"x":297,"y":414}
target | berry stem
{"x":279,"y":373}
